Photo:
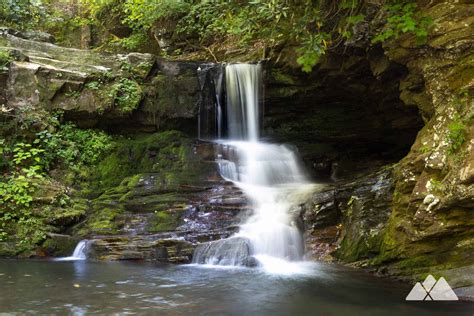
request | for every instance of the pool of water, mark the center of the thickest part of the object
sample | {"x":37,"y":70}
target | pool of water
{"x":81,"y":287}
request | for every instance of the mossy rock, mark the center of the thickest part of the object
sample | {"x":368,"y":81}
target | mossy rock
{"x":102,"y":222}
{"x":168,"y":153}
{"x":57,"y":245}
{"x":8,"y":249}
{"x":167,"y":220}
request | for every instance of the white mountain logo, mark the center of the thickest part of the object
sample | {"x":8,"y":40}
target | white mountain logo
{"x":432,"y":290}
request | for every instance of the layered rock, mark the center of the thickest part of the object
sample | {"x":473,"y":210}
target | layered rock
{"x":134,"y":92}
{"x":155,"y":197}
{"x":346,"y":220}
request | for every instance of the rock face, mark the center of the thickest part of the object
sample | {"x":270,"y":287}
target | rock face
{"x":155,"y":198}
{"x":419,"y":218}
{"x":346,"y":220}
{"x":156,"y":248}
{"x":102,"y":90}
{"x":432,"y":223}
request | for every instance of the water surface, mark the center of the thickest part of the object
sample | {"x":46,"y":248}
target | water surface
{"x":82,"y":287}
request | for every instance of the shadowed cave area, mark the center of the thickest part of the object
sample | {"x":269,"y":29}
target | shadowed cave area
{"x":346,"y":117}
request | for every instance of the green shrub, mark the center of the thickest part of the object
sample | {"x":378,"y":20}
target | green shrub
{"x":143,"y":14}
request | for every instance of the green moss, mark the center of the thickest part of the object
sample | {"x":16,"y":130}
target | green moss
{"x":152,"y":202}
{"x":102,"y":222}
{"x":67,"y":216}
{"x":164,"y":221}
{"x":167,"y":153}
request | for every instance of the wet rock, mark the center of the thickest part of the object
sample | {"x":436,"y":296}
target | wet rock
{"x":323,"y":210}
{"x":347,"y":222}
{"x":234,"y":251}
{"x":155,"y":188}
{"x":154,"y":248}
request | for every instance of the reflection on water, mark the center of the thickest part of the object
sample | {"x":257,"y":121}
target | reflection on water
{"x":81,"y":288}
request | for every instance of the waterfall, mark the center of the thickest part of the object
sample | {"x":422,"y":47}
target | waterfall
{"x":80,"y":252}
{"x":243,"y":83}
{"x":269,"y":174}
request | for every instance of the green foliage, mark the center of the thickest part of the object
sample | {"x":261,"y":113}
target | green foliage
{"x":206,"y":19}
{"x":22,"y":14}
{"x":73,"y":94}
{"x":456,"y":135}
{"x":93,"y":85}
{"x":270,"y":24}
{"x":143,"y":14}
{"x":25,"y":163}
{"x":133,"y":42}
{"x":307,"y":27}
{"x":73,"y":147}
{"x":404,"y":18}
{"x":5,"y":58}
{"x":127,"y":95}
{"x":311,"y":51}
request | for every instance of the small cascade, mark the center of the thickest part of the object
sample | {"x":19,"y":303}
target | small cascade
{"x":269,"y":174}
{"x":80,"y":252}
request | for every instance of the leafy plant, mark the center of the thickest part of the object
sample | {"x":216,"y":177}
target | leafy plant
{"x":311,"y":51}
{"x":127,"y":95}
{"x":73,"y":94}
{"x":22,"y":14}
{"x":5,"y":58}
{"x":133,"y":42}
{"x":25,"y":164}
{"x":404,"y":18}
{"x":93,"y":85}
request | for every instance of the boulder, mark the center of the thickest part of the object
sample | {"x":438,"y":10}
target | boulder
{"x":234,"y":251}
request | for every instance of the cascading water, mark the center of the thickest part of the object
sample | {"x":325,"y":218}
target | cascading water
{"x":269,"y":174}
{"x":80,"y":252}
